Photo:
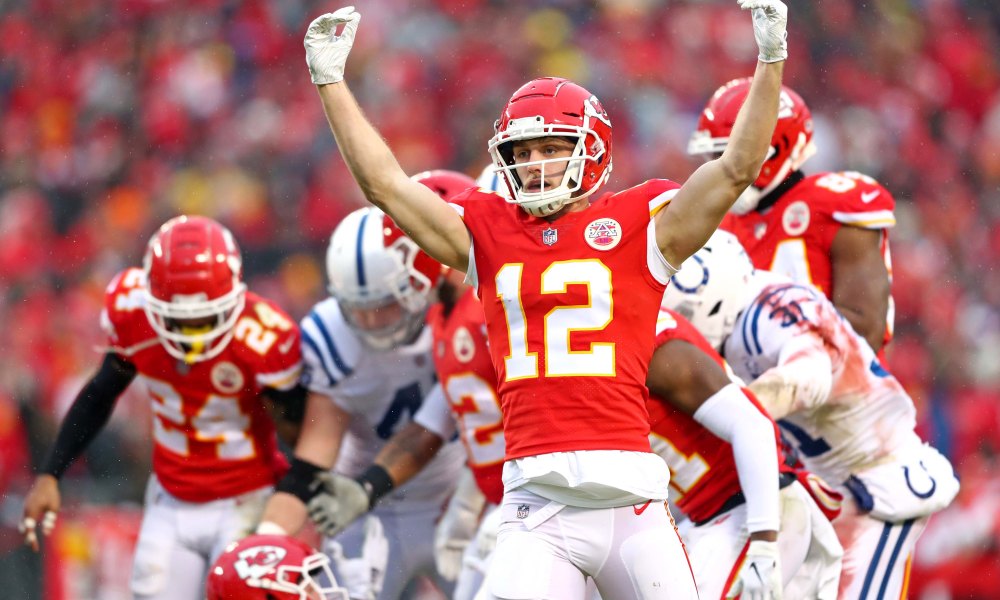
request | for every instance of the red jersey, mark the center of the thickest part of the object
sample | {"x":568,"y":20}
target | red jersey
{"x":702,"y":467}
{"x":570,"y":308}
{"x":213,"y":436}
{"x":465,"y":370}
{"x":794,"y":235}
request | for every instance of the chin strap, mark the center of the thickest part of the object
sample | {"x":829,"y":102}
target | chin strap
{"x":770,"y":198}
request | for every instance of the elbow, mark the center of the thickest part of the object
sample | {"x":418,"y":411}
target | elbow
{"x":742,"y":168}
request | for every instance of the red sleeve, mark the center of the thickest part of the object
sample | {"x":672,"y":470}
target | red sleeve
{"x":122,"y":318}
{"x":280,"y":364}
{"x":853,"y":199}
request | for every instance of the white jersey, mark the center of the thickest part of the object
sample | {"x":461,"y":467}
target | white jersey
{"x":382,"y":391}
{"x":865,"y":418}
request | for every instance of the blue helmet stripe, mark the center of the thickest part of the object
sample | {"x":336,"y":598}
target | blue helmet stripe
{"x":360,"y":253}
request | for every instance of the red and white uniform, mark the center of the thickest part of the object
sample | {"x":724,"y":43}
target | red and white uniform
{"x":690,"y":450}
{"x":470,"y":406}
{"x":465,"y":371}
{"x":704,"y":477}
{"x":215,"y":456}
{"x":213,"y":436}
{"x":570,"y":308}
{"x":794,"y":235}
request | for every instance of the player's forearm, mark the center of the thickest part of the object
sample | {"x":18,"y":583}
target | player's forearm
{"x":285,"y":511}
{"x":733,"y":418}
{"x":407,"y":452}
{"x":367,"y":155}
{"x":89,"y":413}
{"x":751,"y":135}
{"x":323,"y":428}
{"x":802,"y":382}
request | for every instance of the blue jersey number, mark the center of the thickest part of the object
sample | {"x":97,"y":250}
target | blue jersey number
{"x":808,"y":446}
{"x":408,"y":400}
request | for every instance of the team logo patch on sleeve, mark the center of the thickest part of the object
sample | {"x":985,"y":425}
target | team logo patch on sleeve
{"x":603,"y":234}
{"x":227,"y":377}
{"x":795,"y":219}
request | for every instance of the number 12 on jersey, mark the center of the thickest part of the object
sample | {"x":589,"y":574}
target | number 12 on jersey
{"x":560,"y":322}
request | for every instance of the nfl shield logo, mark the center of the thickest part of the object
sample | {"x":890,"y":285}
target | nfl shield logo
{"x":522,"y":511}
{"x":550,"y":236}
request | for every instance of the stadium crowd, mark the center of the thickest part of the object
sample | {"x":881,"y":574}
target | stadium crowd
{"x":118,"y":114}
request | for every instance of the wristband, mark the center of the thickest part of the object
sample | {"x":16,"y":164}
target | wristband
{"x":298,"y":481}
{"x":376,"y":482}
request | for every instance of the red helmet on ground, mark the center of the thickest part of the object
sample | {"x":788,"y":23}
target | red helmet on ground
{"x":554,"y":107}
{"x":791,"y":144}
{"x":194,"y":290}
{"x":272,"y":567}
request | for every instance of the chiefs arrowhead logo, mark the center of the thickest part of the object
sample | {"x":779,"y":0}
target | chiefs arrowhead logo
{"x":258,"y":561}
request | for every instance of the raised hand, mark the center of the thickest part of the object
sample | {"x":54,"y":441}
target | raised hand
{"x":326,"y":52}
{"x":770,"y":18}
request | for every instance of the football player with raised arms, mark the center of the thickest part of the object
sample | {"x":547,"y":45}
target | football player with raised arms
{"x":826,"y":229}
{"x":570,"y":284}
{"x":850,"y":420}
{"x":210,"y":353}
{"x":368,"y":368}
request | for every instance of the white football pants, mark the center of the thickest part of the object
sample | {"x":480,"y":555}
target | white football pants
{"x":546,"y":550}
{"x":810,"y":552}
{"x":877,"y":554}
{"x":179,"y":541}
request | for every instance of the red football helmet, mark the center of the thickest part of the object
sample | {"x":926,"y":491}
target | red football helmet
{"x":791,"y":144}
{"x":194,"y":290}
{"x":554,"y":107}
{"x":272,"y":567}
{"x":445,"y":183}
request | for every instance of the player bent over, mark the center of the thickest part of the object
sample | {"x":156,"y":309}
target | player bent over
{"x":848,"y":417}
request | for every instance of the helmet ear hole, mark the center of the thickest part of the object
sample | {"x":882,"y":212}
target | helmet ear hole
{"x":713,"y":293}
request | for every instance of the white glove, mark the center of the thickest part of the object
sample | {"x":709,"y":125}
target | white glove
{"x":457,"y":526}
{"x":363,"y":576}
{"x":760,"y":577}
{"x":326,"y":52}
{"x":770,"y":17}
{"x":340,"y":501}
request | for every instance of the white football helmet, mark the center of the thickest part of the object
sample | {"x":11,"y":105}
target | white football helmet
{"x":713,"y":287}
{"x":382,"y":281}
